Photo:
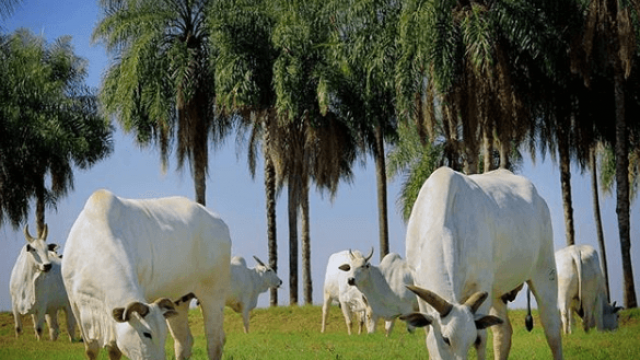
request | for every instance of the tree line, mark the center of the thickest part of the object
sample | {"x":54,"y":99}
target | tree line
{"x":319,"y":85}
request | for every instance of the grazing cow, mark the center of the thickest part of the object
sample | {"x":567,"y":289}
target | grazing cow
{"x":36,"y":287}
{"x":581,"y":288}
{"x":349,"y":298}
{"x":384,"y":287}
{"x":247,"y":284}
{"x":126,"y":261}
{"x":470,"y":238}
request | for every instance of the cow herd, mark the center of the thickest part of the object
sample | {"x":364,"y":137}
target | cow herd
{"x":130,"y":268}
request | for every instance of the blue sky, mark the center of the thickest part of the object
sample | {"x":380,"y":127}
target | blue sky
{"x":350,"y":221}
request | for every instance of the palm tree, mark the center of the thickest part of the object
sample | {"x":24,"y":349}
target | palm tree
{"x":609,"y":26}
{"x":362,"y":89}
{"x":414,"y":161}
{"x":50,"y":122}
{"x":241,"y":31}
{"x":315,"y":146}
{"x":160,"y":85}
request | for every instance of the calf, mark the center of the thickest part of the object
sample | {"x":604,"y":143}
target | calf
{"x":36,"y":287}
{"x":384,"y":287}
{"x":581,"y":289}
{"x":349,"y":298}
{"x":246,"y":284}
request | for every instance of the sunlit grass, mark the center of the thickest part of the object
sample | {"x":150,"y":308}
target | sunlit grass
{"x":294,"y":333}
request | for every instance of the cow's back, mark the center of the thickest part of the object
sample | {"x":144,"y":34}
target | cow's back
{"x":470,"y":232}
{"x":122,"y":249}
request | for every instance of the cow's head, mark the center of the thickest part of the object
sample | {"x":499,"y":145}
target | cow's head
{"x":39,"y":250}
{"x":454,"y":328}
{"x":610,"y":316}
{"x":267,"y":274}
{"x":358,"y":268}
{"x":141,"y":329}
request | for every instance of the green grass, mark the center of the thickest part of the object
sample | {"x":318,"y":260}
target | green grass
{"x":294,"y":333}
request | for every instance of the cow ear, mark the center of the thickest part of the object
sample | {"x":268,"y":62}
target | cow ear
{"x":167,"y":307}
{"x":53,"y":247}
{"x":29,"y":248}
{"x":417,"y":319}
{"x":345,"y":267}
{"x":484,"y":321}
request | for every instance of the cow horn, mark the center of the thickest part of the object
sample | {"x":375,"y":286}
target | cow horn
{"x":258,"y":261}
{"x":140,"y":308}
{"x":369,"y":256}
{"x":45,"y":232}
{"x":351,"y":254}
{"x":441,"y":305}
{"x":475,"y":300}
{"x":27,"y":235}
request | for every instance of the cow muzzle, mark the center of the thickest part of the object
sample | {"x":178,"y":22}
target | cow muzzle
{"x":351,"y":281}
{"x":46,"y":267}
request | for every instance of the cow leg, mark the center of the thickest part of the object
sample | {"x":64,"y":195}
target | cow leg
{"x":545,"y":288}
{"x":346,"y":312}
{"x":502,"y":333}
{"x":361,"y":318}
{"x":91,"y":349}
{"x":212,"y":306}
{"x":54,"y":327}
{"x":38,"y":322}
{"x":17,"y":318}
{"x":325,"y":311}
{"x":564,"y":303}
{"x":71,"y":323}
{"x":388,"y":327}
{"x":179,"y":329}
{"x":245,"y":319}
{"x":114,"y":352}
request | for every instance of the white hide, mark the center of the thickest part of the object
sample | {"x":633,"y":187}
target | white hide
{"x":126,"y":261}
{"x":349,"y":298}
{"x":581,"y":285}
{"x":384,"y":287}
{"x":37,"y":289}
{"x":481,"y":233}
{"x":246,"y":284}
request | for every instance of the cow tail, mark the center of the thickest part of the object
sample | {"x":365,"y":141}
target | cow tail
{"x":578,"y":261}
{"x":528,"y":320}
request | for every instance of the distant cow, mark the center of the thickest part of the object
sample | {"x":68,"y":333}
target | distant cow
{"x":349,"y":298}
{"x":384,"y":286}
{"x":247,"y":284}
{"x":476,"y":238}
{"x":127,"y":261}
{"x":36,"y":287}
{"x":581,"y":288}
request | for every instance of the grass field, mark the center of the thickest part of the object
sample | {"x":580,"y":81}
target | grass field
{"x":294,"y":333}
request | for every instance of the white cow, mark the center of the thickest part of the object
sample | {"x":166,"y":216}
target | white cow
{"x":247,"y":284}
{"x":473,"y":237}
{"x":581,"y":288}
{"x":36,"y":287}
{"x":384,"y":287}
{"x":349,"y":298}
{"x":126,"y":260}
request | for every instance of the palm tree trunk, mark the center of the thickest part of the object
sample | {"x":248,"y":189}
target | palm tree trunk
{"x":565,"y":182}
{"x":487,"y":150}
{"x":622,"y":188}
{"x":293,"y":241}
{"x":199,"y":179}
{"x":270,"y":188}
{"x":381,"y":177}
{"x":598,"y":219}
{"x":40,"y":202}
{"x":306,"y":244}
